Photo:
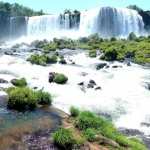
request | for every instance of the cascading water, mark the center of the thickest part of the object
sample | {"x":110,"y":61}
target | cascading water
{"x":106,"y":21}
{"x":18,"y":26}
{"x":43,"y":25}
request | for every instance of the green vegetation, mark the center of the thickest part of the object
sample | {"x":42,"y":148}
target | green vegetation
{"x":64,"y":138}
{"x":95,"y":127}
{"x":110,"y":55}
{"x":87,"y":126}
{"x":49,"y":47}
{"x":21,"y":99}
{"x":60,"y":78}
{"x":19,"y":82}
{"x":42,"y":59}
{"x":74,"y":112}
{"x":137,"y":49}
{"x":44,"y":98}
{"x":18,"y":10}
{"x":132,"y":36}
{"x":24,"y":98}
{"x":90,"y":134}
{"x":92,"y":53}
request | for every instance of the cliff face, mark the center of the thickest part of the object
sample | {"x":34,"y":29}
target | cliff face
{"x":4,"y":25}
{"x":146,"y":18}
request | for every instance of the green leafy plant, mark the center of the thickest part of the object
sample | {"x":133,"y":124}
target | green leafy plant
{"x":90,"y":134}
{"x":21,"y":99}
{"x":60,"y":78}
{"x":74,"y":111}
{"x":44,"y":98}
{"x":64,"y":138}
{"x":19,"y":82}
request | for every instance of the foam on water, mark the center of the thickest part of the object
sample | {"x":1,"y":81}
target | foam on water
{"x":123,"y":94}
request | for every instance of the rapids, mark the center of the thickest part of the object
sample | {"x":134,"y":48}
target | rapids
{"x":123,"y":96}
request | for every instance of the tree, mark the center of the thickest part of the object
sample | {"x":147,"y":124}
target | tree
{"x":132,"y":36}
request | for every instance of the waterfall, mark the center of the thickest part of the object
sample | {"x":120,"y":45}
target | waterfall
{"x":106,"y":21}
{"x":43,"y":25}
{"x":18,"y":26}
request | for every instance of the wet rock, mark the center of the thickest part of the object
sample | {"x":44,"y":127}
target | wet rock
{"x":145,"y":124}
{"x":83,"y":89}
{"x":146,"y":141}
{"x":35,"y":49}
{"x":98,"y":88}
{"x":106,"y":141}
{"x":147,"y":85}
{"x":130,"y":132}
{"x":84,"y":74}
{"x":63,"y":61}
{"x":100,"y":66}
{"x":92,"y":82}
{"x":107,"y":66}
{"x":73,"y":63}
{"x":35,"y":87}
{"x":3,"y":100}
{"x":3,"y":80}
{"x":51,"y":76}
{"x":128,"y":64}
{"x":8,"y":53}
{"x":81,"y":83}
{"x":90,"y":86}
{"x":116,"y":66}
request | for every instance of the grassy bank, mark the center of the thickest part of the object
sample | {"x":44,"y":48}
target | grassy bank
{"x":85,"y":129}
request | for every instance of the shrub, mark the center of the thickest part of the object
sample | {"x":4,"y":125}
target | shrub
{"x":21,"y":99}
{"x":51,"y":59}
{"x":92,"y":53}
{"x":19,"y":82}
{"x":90,"y":134}
{"x":136,"y":144}
{"x":50,"y":47}
{"x":42,"y":59}
{"x":60,"y":78}
{"x":38,"y":59}
{"x":87,"y":119}
{"x":92,"y":125}
{"x":39,"y":44}
{"x":110,"y":55}
{"x":113,"y":39}
{"x":74,"y":111}
{"x":44,"y":98}
{"x":63,"y":138}
{"x":132,"y":36}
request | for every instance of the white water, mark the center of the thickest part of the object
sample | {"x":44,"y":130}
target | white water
{"x":123,"y":94}
{"x":105,"y":21}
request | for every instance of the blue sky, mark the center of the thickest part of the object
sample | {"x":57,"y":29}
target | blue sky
{"x":54,"y":6}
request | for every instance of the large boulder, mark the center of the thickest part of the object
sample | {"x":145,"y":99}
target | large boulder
{"x":92,"y":82}
{"x":51,"y":76}
{"x":63,"y":61}
{"x":100,"y":66}
{"x":106,"y":141}
{"x":146,"y":18}
{"x":3,"y":80}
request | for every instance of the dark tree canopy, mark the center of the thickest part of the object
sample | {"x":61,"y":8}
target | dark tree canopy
{"x":18,"y":10}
